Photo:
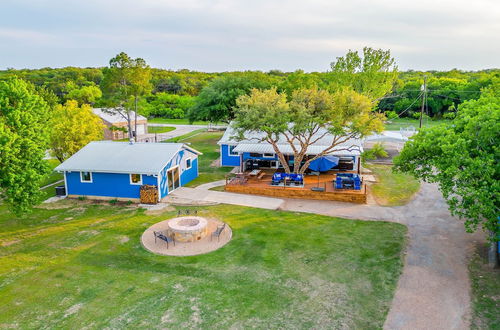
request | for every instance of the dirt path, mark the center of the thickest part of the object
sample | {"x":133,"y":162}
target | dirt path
{"x":433,"y":290}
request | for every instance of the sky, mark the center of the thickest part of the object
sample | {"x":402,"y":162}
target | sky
{"x":228,"y":35}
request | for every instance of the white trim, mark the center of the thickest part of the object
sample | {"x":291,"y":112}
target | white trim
{"x":190,"y":163}
{"x":168,"y":179}
{"x":268,"y":155}
{"x":135,"y":183}
{"x":158,"y":186}
{"x":91,"y":177}
{"x":230,"y":153}
{"x":65,"y":184}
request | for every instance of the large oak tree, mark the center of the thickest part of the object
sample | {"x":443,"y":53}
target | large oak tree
{"x":310,"y":116}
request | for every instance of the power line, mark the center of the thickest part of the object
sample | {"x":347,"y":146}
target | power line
{"x":408,"y":108}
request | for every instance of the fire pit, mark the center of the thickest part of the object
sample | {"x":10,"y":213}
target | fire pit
{"x":188,"y":229}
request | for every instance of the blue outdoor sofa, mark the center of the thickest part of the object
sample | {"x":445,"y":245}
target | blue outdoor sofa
{"x":348,"y":181}
{"x":287,"y":178}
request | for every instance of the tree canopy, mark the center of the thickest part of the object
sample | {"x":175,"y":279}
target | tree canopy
{"x":463,"y":158}
{"x":217,"y":100}
{"x":72,"y":128}
{"x":24,"y":136}
{"x":374,"y":74}
{"x":309,"y":116}
{"x":124,"y":82}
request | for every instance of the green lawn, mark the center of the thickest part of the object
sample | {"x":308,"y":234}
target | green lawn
{"x":206,"y":142}
{"x":160,"y":129}
{"x":183,"y":121}
{"x":392,"y":189}
{"x":397,"y":123}
{"x":84,"y":266}
{"x":485,"y":283}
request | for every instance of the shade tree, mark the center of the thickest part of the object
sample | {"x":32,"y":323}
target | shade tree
{"x":24,"y":137}
{"x":309,"y":116}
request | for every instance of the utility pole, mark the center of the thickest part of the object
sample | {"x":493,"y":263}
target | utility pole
{"x":424,"y":97}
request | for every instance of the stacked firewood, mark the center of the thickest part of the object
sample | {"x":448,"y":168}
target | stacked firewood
{"x":149,"y":194}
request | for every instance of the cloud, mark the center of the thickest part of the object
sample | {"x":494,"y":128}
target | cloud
{"x":237,"y":34}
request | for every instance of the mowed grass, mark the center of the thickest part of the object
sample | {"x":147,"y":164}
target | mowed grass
{"x":398,"y":123}
{"x":84,"y":266}
{"x":160,"y":129}
{"x":53,"y":176}
{"x":392,"y":189}
{"x":205,"y":142}
{"x":485,"y":283}
{"x":182,"y":121}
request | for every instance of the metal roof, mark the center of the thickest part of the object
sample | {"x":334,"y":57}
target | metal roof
{"x":123,"y":157}
{"x":251,"y":143}
{"x":113,"y":117}
{"x":267,"y":148}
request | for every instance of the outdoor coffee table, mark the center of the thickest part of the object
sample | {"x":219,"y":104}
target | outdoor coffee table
{"x":254,"y":172}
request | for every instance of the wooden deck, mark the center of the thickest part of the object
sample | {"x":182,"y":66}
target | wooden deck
{"x":262,"y":186}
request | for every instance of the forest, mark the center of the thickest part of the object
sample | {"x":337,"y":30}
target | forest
{"x":207,"y":96}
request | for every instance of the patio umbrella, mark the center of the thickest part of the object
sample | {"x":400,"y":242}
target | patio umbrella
{"x":324,"y":163}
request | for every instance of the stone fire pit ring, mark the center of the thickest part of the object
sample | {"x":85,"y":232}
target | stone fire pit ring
{"x":207,"y":243}
{"x":188,"y":228}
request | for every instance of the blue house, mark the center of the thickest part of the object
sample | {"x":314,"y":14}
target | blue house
{"x":117,"y":170}
{"x":252,"y":152}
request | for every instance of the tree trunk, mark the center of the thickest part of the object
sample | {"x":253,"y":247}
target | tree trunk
{"x":281,"y":157}
{"x":135,"y":124}
{"x":493,"y":252}
{"x":130,"y":137}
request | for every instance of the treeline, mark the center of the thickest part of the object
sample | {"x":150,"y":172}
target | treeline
{"x":208,"y":96}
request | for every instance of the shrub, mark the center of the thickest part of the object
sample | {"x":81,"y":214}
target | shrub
{"x":379,"y":150}
{"x":391,"y":115}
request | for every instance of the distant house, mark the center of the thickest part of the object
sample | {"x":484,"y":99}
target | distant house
{"x":108,"y":170}
{"x":250,"y":153}
{"x":117,"y":125}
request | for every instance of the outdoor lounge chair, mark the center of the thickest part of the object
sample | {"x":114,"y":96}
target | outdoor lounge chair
{"x":218,"y":232}
{"x":348,"y":181}
{"x":166,"y":238}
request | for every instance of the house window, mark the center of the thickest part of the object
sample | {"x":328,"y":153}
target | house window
{"x":135,"y":179}
{"x":86,"y":176}
{"x":231,"y":152}
{"x":256,"y":155}
{"x":188,"y":163}
{"x":269,"y":155}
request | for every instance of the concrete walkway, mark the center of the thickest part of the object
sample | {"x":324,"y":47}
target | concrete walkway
{"x":433,"y":290}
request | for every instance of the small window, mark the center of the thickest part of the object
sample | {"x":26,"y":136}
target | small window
{"x":231,"y":152}
{"x":188,"y":163}
{"x":269,"y":155}
{"x":256,"y":155}
{"x":135,"y":179}
{"x":86,"y":176}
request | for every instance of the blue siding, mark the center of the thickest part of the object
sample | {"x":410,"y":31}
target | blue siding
{"x":226,"y":159}
{"x":118,"y":185}
{"x":106,"y":184}
{"x":191,"y":174}
{"x":186,"y":175}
